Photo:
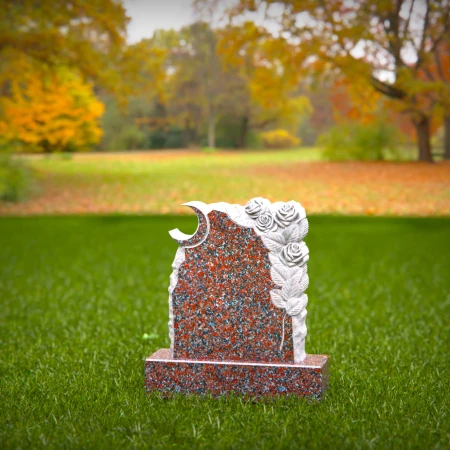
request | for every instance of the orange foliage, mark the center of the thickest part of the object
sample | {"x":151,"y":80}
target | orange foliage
{"x":354,"y":101}
{"x":357,"y":102}
{"x":267,"y":66}
{"x":50,"y":112}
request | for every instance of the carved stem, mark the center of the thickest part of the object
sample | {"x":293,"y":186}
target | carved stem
{"x":282,"y":332}
{"x":180,"y":257}
{"x":299,"y":332}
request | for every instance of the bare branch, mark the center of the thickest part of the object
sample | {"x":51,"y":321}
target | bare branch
{"x":408,"y":20}
{"x":444,"y":31}
{"x":424,"y":33}
{"x":387,"y":89}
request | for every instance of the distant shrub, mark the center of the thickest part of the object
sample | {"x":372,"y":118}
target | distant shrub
{"x":174,"y":138}
{"x":355,"y":141}
{"x":279,"y":139}
{"x":254,"y":140}
{"x":157,"y":139}
{"x":131,"y":138}
{"x":15,"y":179}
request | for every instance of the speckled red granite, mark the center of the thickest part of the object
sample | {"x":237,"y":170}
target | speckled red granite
{"x":221,"y":303}
{"x":257,"y":380}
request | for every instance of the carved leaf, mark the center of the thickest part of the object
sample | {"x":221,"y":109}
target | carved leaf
{"x":304,"y":228}
{"x":277,"y":237}
{"x":273,"y":258}
{"x":272,"y":244}
{"x":298,"y":271}
{"x":291,"y":288}
{"x":280,"y":274}
{"x":291,"y":234}
{"x":296,"y":304}
{"x":277,"y":300}
{"x":304,"y":283}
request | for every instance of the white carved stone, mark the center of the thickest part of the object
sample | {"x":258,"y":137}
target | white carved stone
{"x":282,"y":227}
{"x":179,"y":259}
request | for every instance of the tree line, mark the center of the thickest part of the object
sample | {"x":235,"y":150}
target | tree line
{"x":67,"y":75}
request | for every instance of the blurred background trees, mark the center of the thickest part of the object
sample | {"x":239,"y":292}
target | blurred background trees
{"x":56,"y":111}
{"x":390,"y":46}
{"x":364,"y":76}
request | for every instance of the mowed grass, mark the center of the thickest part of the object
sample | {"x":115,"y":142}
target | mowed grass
{"x":159,"y":182}
{"x":78,"y":293}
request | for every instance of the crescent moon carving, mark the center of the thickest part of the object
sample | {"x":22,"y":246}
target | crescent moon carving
{"x":192,"y":240}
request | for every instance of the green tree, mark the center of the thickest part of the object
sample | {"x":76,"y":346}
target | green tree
{"x":191,"y":82}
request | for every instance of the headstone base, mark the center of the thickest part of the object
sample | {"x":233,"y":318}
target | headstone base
{"x":257,"y":380}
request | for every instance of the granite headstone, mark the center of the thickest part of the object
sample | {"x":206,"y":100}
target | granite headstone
{"x":237,"y":306}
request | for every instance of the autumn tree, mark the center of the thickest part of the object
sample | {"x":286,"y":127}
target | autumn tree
{"x":84,"y":35}
{"x":191,"y":81}
{"x":263,"y":89}
{"x":352,"y":101}
{"x":204,"y":86}
{"x":50,"y":54}
{"x":197,"y":78}
{"x":181,"y":101}
{"x":50,"y":111}
{"x":206,"y":11}
{"x":385,"y":42}
{"x":435,"y":75}
{"x":442,"y":58}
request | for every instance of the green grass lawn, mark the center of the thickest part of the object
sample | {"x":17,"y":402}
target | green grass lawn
{"x":150,"y":182}
{"x":159,"y":182}
{"x":145,"y":181}
{"x":78,"y":293}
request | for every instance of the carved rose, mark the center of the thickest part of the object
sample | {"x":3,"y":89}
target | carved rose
{"x":256,"y":206}
{"x":265,"y":223}
{"x":294,"y":254}
{"x":288,"y":213}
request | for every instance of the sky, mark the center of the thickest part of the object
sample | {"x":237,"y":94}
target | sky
{"x":149,"y":15}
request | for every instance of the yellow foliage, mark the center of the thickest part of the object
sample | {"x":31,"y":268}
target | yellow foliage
{"x":50,"y":112}
{"x":267,"y":67}
{"x":86,"y":35}
{"x":279,"y":139}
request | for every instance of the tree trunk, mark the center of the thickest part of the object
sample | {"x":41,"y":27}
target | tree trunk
{"x":46,"y":146}
{"x":243,"y":133}
{"x":423,"y":138}
{"x":194,"y":135}
{"x":186,"y":133}
{"x":447,"y":137}
{"x":211,"y":129}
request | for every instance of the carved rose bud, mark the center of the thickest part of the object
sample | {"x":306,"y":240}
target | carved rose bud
{"x":294,"y":254}
{"x":265,"y":223}
{"x":289,"y":213}
{"x":256,"y":206}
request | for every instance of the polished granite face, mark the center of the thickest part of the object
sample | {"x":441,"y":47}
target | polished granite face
{"x":254,"y":380}
{"x":222,"y":309}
